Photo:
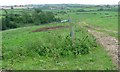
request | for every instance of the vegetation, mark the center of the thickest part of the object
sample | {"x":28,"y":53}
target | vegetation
{"x":38,"y":51}
{"x":37,"y":17}
{"x":24,"y":49}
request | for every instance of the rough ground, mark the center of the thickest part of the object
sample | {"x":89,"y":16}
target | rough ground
{"x":108,"y":42}
{"x":49,"y":28}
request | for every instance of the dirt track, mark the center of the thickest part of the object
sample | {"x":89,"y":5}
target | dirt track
{"x":108,"y":42}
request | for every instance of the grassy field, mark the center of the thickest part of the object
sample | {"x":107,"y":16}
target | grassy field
{"x":15,"y":41}
{"x":26,"y":50}
{"x":97,"y":19}
{"x":107,"y":21}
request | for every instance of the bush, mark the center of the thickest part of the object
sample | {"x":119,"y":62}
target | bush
{"x":7,"y":23}
{"x":53,"y":46}
{"x":106,"y":13}
{"x":81,"y":10}
{"x":59,"y":46}
{"x":101,"y":9}
{"x":37,"y":17}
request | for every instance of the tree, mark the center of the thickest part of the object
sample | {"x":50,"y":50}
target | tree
{"x":38,"y":10}
{"x":37,"y":17}
{"x":101,"y":9}
{"x":12,"y":7}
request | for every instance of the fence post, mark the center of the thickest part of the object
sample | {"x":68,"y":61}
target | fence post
{"x":71,"y":30}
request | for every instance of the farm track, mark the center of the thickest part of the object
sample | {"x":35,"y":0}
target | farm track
{"x":108,"y":42}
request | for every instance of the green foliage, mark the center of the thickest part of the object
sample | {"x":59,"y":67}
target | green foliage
{"x":8,"y":22}
{"x":25,"y":50}
{"x":62,"y":12}
{"x":101,"y":9}
{"x":38,"y":10}
{"x":53,"y":46}
{"x":36,"y":17}
{"x":81,"y":10}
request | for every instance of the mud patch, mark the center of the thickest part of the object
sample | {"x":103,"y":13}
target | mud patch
{"x":49,"y":28}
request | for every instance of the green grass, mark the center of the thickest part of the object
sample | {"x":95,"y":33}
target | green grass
{"x":24,"y":41}
{"x":94,"y":61}
{"x":110,"y":23}
{"x":16,"y":41}
{"x":0,"y":49}
{"x":97,"y":19}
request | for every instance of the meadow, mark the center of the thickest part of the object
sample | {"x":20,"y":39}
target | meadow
{"x":105,"y":23}
{"x":20,"y":44}
{"x":23,"y":49}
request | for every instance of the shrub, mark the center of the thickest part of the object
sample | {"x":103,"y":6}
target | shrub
{"x":37,"y":17}
{"x":7,"y":23}
{"x":53,"y":46}
{"x":62,"y":46}
{"x":81,"y":10}
{"x":101,"y":9}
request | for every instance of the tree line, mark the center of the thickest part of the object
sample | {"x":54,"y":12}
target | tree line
{"x":36,"y":17}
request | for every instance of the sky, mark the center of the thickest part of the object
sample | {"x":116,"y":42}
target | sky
{"x":23,"y":2}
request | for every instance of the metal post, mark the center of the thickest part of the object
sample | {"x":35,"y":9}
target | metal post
{"x":71,"y":30}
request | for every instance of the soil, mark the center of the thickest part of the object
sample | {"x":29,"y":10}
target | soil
{"x":49,"y":28}
{"x":108,"y":42}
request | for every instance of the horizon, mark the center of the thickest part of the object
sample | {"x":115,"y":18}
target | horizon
{"x":38,"y":2}
{"x":58,"y":4}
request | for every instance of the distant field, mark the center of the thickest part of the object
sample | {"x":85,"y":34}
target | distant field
{"x":106,"y":20}
{"x":109,"y":21}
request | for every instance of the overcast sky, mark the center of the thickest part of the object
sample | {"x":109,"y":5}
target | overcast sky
{"x":23,"y":2}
